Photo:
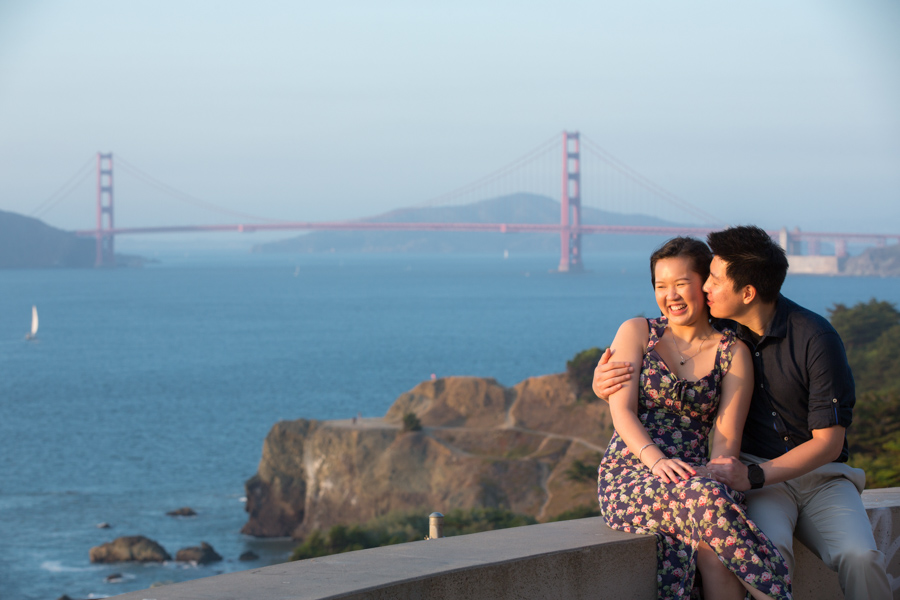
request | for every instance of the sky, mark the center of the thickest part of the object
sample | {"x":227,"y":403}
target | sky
{"x":768,"y":112}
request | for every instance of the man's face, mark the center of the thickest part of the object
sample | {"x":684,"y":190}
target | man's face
{"x":724,"y":302}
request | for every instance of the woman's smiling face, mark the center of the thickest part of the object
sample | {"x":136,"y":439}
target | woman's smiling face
{"x":679,"y":291}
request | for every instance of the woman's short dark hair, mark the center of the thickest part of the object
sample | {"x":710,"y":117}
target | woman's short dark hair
{"x":752,"y":258}
{"x":696,"y":251}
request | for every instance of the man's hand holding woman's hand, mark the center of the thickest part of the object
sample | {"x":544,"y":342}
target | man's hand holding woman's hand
{"x":731,"y":472}
{"x":608,"y":376}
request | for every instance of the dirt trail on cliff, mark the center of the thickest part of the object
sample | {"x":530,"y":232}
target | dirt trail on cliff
{"x":481,"y":445}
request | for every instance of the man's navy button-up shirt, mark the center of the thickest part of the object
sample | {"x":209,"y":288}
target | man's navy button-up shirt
{"x":802,"y":381}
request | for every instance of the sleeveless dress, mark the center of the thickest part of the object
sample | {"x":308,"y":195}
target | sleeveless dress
{"x":678,"y":414}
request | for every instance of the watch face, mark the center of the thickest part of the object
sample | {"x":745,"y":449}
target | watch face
{"x":755,"y":474}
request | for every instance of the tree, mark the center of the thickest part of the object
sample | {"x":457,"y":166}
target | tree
{"x":871,"y":335}
{"x":864,"y":323}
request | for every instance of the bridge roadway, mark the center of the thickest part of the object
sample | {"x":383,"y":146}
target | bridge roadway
{"x":795,"y":235}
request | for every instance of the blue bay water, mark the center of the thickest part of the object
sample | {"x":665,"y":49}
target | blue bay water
{"x":152,"y":389}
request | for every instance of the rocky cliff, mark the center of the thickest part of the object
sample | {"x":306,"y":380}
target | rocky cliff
{"x":481,"y":444}
{"x":880,"y":262}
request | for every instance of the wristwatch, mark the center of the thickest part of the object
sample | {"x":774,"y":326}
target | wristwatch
{"x":756,"y":476}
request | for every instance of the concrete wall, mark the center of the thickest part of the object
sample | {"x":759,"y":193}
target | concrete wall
{"x":815,"y":265}
{"x":572,"y":560}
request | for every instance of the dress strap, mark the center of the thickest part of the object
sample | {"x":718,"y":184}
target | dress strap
{"x":724,"y":351}
{"x":657,"y":328}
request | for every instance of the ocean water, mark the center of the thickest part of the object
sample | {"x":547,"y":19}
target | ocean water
{"x":151,"y":389}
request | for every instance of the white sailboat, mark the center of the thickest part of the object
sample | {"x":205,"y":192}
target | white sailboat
{"x":34,"y":324}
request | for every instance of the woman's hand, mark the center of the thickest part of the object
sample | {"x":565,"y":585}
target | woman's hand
{"x":672,"y":470}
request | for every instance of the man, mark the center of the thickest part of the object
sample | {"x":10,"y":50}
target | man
{"x":794,"y":449}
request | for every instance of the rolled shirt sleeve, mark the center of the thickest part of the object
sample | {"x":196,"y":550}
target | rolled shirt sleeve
{"x":832,"y":392}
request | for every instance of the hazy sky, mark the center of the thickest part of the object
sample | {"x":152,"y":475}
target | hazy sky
{"x":779,"y":113}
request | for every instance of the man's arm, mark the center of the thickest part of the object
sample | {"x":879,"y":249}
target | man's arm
{"x":824,"y":447}
{"x":830,"y":405}
{"x":609,"y":376}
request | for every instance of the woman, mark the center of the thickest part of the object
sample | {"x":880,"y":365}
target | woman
{"x":652,"y":478}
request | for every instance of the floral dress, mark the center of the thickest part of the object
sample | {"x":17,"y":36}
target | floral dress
{"x":678,"y":415}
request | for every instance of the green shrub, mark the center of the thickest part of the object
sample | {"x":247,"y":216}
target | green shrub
{"x":411,"y":422}
{"x":581,"y":373}
{"x":584,"y":472}
{"x":579,"y":512}
{"x":400,"y":527}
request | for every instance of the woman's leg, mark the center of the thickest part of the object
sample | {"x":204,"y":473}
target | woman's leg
{"x":718,"y":582}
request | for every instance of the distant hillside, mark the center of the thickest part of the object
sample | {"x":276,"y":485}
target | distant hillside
{"x":516,"y":208}
{"x":30,"y":243}
{"x":881,"y":262}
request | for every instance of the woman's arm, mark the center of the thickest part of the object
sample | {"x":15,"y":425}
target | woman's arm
{"x":734,"y":403}
{"x":629,"y":344}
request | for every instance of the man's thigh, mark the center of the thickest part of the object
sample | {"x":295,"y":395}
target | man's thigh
{"x":774,"y":510}
{"x":833,"y":521}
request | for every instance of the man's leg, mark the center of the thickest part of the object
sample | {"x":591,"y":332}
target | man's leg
{"x":774,"y":510}
{"x":833,"y":524}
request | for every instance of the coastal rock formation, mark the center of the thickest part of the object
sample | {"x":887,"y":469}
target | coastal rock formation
{"x":202,"y":554}
{"x":880,"y":262}
{"x":481,"y":445}
{"x":129,"y":548}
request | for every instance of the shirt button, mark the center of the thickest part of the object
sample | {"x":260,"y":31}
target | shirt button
{"x":774,"y":414}
{"x":757,"y":353}
{"x":762,"y":386}
{"x":785,"y":438}
{"x":834,"y":400}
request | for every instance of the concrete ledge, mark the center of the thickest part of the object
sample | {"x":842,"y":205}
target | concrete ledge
{"x":572,"y":560}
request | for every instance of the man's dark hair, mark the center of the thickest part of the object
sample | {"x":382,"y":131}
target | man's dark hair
{"x":694,"y":250}
{"x":753,"y":258}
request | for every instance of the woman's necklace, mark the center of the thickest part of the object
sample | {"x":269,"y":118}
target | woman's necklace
{"x":681,"y":356}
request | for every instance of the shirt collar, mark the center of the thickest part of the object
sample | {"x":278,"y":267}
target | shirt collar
{"x":777,"y":327}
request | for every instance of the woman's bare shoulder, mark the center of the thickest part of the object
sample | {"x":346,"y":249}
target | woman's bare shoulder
{"x":636,"y":330}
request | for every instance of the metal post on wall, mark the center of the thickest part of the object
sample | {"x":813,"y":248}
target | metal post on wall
{"x":435,"y":526}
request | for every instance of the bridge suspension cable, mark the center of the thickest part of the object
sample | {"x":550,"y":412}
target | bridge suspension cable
{"x":66,"y":189}
{"x":543,"y":150}
{"x":635,"y":178}
{"x":183,"y":196}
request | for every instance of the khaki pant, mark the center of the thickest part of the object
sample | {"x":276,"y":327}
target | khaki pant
{"x":824,"y":510}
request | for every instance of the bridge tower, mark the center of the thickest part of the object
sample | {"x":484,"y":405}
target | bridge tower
{"x":106,"y":256}
{"x":570,"y":203}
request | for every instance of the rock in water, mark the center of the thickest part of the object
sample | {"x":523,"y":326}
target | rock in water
{"x":202,"y":554}
{"x":129,"y":548}
{"x":185,"y":511}
{"x":249,"y":555}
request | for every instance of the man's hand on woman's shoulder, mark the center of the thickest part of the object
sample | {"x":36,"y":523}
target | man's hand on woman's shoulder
{"x":608,"y":376}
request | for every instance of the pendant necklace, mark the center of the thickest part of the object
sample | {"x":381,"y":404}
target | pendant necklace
{"x":681,"y":356}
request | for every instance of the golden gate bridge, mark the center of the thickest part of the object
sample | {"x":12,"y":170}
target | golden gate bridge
{"x":617,"y":185}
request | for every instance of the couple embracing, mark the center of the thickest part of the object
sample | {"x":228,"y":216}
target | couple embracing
{"x":731,"y":439}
